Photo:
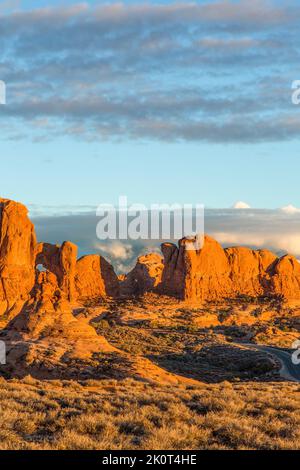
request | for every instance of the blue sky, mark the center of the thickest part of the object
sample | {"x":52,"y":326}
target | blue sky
{"x":169,"y":102}
{"x":88,"y":174}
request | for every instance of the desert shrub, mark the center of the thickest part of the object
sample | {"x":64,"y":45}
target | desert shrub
{"x":223,"y":315}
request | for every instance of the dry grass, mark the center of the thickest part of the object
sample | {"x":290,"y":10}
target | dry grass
{"x":135,"y":415}
{"x":241,"y":405}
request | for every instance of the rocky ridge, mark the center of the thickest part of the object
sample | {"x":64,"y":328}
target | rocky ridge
{"x":213,"y":273}
{"x":43,"y":286}
{"x":49,"y":277}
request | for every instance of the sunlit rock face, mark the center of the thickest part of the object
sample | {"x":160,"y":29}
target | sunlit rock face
{"x":61,"y":261}
{"x":43,"y":274}
{"x":95,"y":278}
{"x":202,"y":274}
{"x":213,"y":273}
{"x":207,"y":273}
{"x":17,"y":255}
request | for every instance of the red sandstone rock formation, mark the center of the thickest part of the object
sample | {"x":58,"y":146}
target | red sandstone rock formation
{"x":285,"y":278}
{"x":91,"y":277}
{"x":174,"y":272}
{"x":95,"y":278}
{"x":196,"y":274}
{"x":65,"y":280}
{"x":212,"y":273}
{"x":48,"y":321}
{"x":207,"y":273}
{"x":249,"y":270}
{"x":61,"y":261}
{"x":145,"y":276}
{"x":17,"y":255}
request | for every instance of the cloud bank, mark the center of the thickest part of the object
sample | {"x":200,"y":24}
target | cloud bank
{"x":217,"y":71}
{"x":290,"y":209}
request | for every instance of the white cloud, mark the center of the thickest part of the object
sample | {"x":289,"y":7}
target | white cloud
{"x":241,"y":205}
{"x":289,"y":243}
{"x":290,"y":209}
{"x":116,"y":250}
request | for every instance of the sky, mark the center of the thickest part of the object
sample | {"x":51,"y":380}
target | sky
{"x":163,"y":102}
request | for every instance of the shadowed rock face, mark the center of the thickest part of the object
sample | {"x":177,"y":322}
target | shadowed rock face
{"x":145,"y":276}
{"x":174,"y":272}
{"x":285,"y":277}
